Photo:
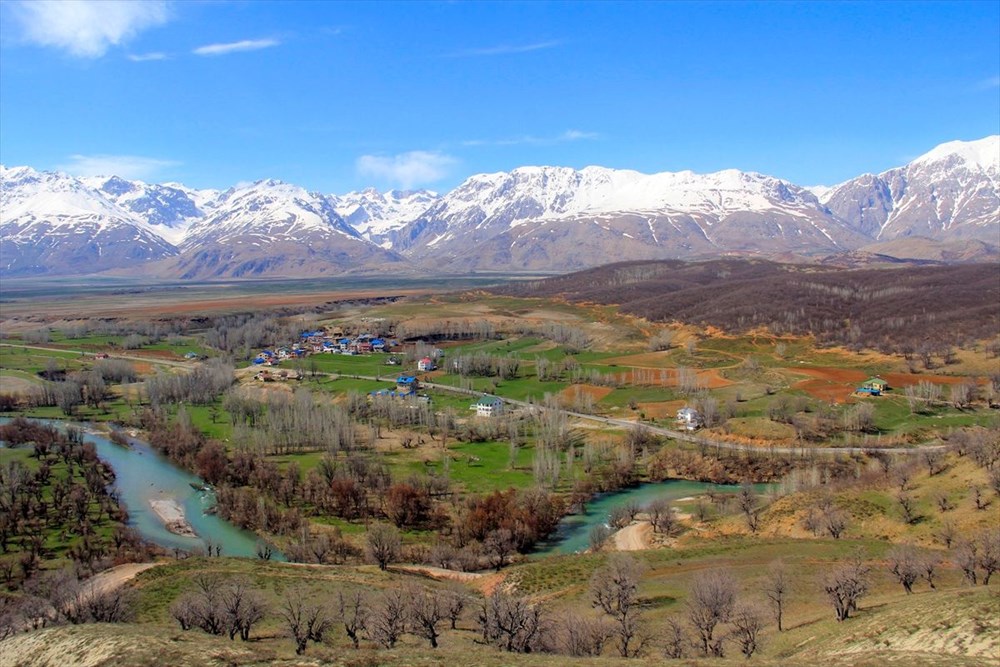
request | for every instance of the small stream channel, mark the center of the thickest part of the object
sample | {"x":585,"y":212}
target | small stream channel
{"x":142,"y":474}
{"x":573,"y":533}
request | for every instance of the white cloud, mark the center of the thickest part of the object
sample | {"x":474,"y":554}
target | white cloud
{"x":234,"y":47}
{"x":407,"y":169}
{"x":143,"y":57}
{"x":527,"y":139}
{"x":87,"y":28}
{"x":506,"y":49}
{"x":125,"y":166}
{"x":577,"y":135}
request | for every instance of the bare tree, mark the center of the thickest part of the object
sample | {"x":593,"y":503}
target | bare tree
{"x":674,"y":639}
{"x":710,"y":602}
{"x":581,"y":635}
{"x":981,"y":501}
{"x":846,"y":585}
{"x":306,"y":621}
{"x":243,"y":606}
{"x":928,"y":569}
{"x":934,"y":460}
{"x":748,"y":506}
{"x":387,"y":620}
{"x":989,"y":554}
{"x":614,"y":589}
{"x":662,"y":516}
{"x":776,"y":589}
{"x":946,"y":533}
{"x":905,"y":564}
{"x":747,"y":623}
{"x":599,"y":536}
{"x":353,"y":610}
{"x":835,"y":522}
{"x":511,"y":623}
{"x":908,"y":508}
{"x":455,"y":601}
{"x":499,"y":545}
{"x":382,"y":544}
{"x":427,"y":610}
{"x":966,"y":557}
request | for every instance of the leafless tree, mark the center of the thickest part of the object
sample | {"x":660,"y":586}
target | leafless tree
{"x":747,"y":622}
{"x":934,"y":461}
{"x":776,"y":589}
{"x":243,"y":606}
{"x":989,"y":554}
{"x":599,"y":536}
{"x":846,"y":585}
{"x":928,"y":569}
{"x":581,"y":635}
{"x":905,"y":564}
{"x":387,"y":620}
{"x":511,"y":623}
{"x":183,"y":611}
{"x":455,"y":601}
{"x":382,"y":544}
{"x":908,"y":508}
{"x":748,"y":506}
{"x":306,"y":621}
{"x":614,"y":589}
{"x":966,"y":557}
{"x":426,"y":610}
{"x":499,"y":545}
{"x":947,"y":533}
{"x":942,"y":501}
{"x":674,"y":640}
{"x":662,"y":516}
{"x":711,"y":599}
{"x":353,"y":610}
{"x":981,"y":501}
{"x":835,"y":522}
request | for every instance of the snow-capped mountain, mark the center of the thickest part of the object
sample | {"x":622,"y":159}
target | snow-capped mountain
{"x":169,"y":208}
{"x":953,"y":191}
{"x":531,"y":218}
{"x":559,"y":218}
{"x":52,"y":223}
{"x":378,"y":215}
{"x":273,"y":228}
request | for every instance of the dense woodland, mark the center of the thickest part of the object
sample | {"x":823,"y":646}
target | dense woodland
{"x":908,"y":310}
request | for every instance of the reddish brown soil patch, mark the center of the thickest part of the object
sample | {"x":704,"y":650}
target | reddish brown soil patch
{"x":907,"y":379}
{"x":712,"y":379}
{"x":826,"y":391}
{"x":661,"y":409}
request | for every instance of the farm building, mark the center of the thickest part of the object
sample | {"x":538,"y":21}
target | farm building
{"x":426,"y":364}
{"x":689,"y":418}
{"x":406,"y":384}
{"x":488,"y":406}
{"x":873,"y":386}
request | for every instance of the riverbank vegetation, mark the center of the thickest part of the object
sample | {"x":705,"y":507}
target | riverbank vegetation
{"x":363,"y":488}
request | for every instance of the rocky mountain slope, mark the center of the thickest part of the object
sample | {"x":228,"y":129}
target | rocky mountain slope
{"x":51,"y":223}
{"x":528,"y":219}
{"x":953,"y":191}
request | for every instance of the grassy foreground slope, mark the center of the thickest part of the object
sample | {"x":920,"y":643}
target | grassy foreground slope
{"x":938,"y":628}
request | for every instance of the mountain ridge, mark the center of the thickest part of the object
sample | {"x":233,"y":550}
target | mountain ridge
{"x":530,"y":218}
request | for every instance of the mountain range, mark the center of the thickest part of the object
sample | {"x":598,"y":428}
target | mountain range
{"x":944,"y":205}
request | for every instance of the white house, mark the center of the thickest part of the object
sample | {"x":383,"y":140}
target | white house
{"x":688,"y":418}
{"x":488,"y":406}
{"x":426,"y":364}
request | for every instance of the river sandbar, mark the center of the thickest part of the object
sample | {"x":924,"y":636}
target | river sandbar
{"x":172,"y":516}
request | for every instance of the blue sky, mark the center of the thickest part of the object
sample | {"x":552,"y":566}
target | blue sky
{"x":339,"y":96}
